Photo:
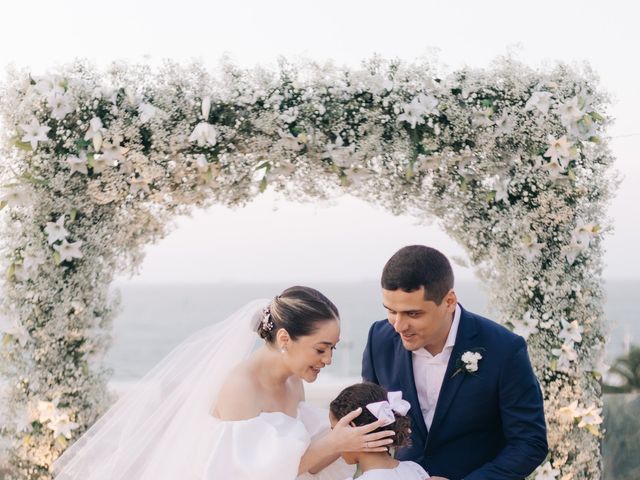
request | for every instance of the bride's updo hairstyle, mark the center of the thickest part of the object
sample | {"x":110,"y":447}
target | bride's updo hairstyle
{"x":359,"y":396}
{"x":298,"y":310}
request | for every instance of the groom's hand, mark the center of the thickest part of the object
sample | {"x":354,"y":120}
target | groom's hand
{"x":350,"y":438}
{"x":438,"y":478}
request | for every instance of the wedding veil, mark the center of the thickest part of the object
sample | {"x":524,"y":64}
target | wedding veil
{"x":159,"y":430}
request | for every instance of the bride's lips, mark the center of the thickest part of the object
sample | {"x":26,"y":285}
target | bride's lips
{"x":316,"y":369}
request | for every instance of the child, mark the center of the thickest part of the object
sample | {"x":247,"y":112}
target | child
{"x":377,"y":404}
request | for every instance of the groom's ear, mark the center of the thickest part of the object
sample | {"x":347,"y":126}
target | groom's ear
{"x":451,"y":300}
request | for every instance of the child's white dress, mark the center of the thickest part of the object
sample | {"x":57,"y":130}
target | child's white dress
{"x":404,"y":471}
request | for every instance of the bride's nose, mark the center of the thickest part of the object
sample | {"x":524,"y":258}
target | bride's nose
{"x":328,"y":357}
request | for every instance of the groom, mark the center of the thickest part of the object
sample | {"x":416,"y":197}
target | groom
{"x":477,"y":409}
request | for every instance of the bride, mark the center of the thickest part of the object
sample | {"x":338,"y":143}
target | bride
{"x":217,"y":408}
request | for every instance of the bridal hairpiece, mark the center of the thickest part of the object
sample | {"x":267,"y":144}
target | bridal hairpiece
{"x":267,"y":323}
{"x":384,"y":410}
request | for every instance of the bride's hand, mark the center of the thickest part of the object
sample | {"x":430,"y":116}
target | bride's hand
{"x":347,"y":438}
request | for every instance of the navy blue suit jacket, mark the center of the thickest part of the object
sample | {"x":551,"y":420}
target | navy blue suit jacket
{"x":488,"y":425}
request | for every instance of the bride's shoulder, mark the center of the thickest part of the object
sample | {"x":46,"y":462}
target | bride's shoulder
{"x":238,"y":399}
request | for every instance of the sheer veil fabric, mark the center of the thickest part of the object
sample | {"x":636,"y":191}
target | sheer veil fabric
{"x":161,"y":429}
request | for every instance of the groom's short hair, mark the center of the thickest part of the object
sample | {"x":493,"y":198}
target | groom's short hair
{"x":418,"y":266}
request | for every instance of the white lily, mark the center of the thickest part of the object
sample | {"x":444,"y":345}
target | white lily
{"x":19,"y":332}
{"x":540,"y":101}
{"x":147,"y":111}
{"x":138,"y":185}
{"x":547,"y":472}
{"x":571,"y":332}
{"x":204,"y":134}
{"x":48,"y":411}
{"x":60,"y":104}
{"x":69,"y":251}
{"x":530,"y":246}
{"x":15,"y":197}
{"x":94,"y":132}
{"x":34,"y":133}
{"x":78,"y":163}
{"x":61,"y":425}
{"x":55,"y":230}
{"x":559,"y":149}
{"x":415,"y":111}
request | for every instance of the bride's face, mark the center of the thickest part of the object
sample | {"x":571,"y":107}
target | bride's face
{"x":307,"y":355}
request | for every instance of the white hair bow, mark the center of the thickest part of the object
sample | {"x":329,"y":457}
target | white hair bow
{"x":384,"y":410}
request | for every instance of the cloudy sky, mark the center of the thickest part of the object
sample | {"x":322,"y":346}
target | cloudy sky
{"x":343,"y":239}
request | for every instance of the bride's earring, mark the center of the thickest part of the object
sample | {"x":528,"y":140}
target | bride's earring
{"x":283,"y":350}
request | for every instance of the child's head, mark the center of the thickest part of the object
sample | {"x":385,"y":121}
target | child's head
{"x":361,"y":395}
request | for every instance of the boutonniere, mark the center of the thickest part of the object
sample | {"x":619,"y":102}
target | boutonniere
{"x":468,"y":362}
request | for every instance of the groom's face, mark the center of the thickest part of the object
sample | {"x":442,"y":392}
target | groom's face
{"x":420,"y":323}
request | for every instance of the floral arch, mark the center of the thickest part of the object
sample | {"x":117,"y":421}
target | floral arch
{"x":513,"y":162}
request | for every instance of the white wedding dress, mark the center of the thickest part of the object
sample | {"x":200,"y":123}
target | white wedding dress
{"x":163,"y":429}
{"x":267,"y":447}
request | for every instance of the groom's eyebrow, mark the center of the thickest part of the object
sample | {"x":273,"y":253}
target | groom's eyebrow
{"x":415,"y":310}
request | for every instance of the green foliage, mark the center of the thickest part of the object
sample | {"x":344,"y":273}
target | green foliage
{"x":621,"y":445}
{"x":627,"y":367}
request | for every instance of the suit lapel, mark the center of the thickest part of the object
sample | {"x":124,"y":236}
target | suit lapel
{"x":451,"y":383}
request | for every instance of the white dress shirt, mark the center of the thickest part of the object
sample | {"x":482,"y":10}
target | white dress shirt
{"x":429,"y":370}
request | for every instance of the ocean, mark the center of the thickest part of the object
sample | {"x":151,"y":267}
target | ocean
{"x":155,"y":318}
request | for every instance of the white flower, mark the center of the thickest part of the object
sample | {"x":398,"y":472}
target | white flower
{"x":570,"y":112}
{"x":60,"y":104}
{"x":571,"y":331}
{"x":569,"y":412}
{"x":530,"y":246}
{"x":414,"y":112}
{"x":113,"y":153}
{"x":566,"y":354}
{"x":290,"y":115}
{"x":147,"y":111}
{"x":204,"y":134}
{"x":482,"y":118}
{"x":505,"y":124}
{"x":19,"y":332}
{"x":48,"y":411}
{"x":56,"y":231}
{"x":571,"y":251}
{"x":470,"y":360}
{"x":201,"y":163}
{"x":61,"y":425}
{"x":546,"y":472}
{"x":559,"y":149}
{"x":340,"y":155}
{"x":94,"y":132}
{"x":500,"y":185}
{"x":15,"y":197}
{"x":555,"y":169}
{"x":585,"y":232}
{"x":69,"y":251}
{"x":46,"y":86}
{"x":34,"y":133}
{"x":590,"y":416}
{"x":525,"y":327}
{"x":540,"y":101}
{"x":138,"y":185}
{"x":206,"y":108}
{"x":78,"y":163}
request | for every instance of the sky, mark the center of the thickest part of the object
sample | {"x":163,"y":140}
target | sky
{"x":342,"y":239}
